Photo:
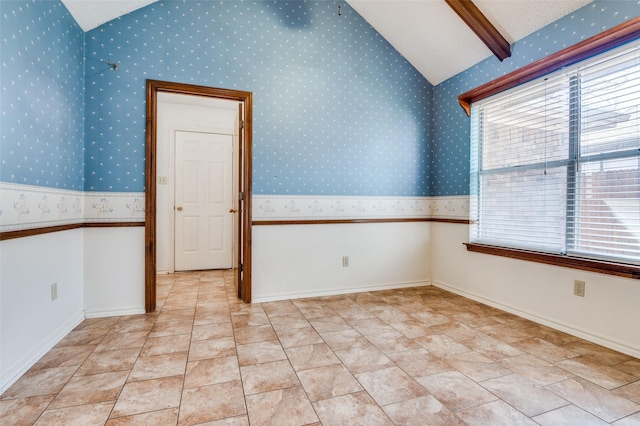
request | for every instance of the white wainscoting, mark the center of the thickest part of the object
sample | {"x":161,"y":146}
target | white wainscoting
{"x":608,"y":314}
{"x":30,"y":322}
{"x":294,"y":261}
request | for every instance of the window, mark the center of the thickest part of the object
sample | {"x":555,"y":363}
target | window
{"x":555,"y":163}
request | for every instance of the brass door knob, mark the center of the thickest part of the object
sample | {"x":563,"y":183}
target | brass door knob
{"x":179,"y":208}
{"x":232,"y":210}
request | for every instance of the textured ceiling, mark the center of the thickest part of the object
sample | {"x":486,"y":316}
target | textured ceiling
{"x":426,"y":32}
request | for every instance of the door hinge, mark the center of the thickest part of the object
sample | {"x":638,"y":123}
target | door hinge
{"x":242,"y":124}
{"x":241,"y":196}
{"x":241,"y":267}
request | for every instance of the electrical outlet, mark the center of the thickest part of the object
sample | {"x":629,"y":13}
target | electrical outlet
{"x":578,"y":288}
{"x":54,"y":291}
{"x":162,"y":180}
{"x":345,"y":261}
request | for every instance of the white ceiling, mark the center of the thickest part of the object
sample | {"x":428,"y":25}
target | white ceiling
{"x":426,"y":32}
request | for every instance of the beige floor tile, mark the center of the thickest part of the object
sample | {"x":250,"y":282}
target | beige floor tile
{"x":630,"y":391}
{"x":345,"y":339}
{"x":178,"y":315}
{"x":524,"y":395}
{"x":569,"y":415}
{"x":390,"y":385}
{"x":23,"y":411}
{"x":354,"y":409}
{"x":328,"y":382}
{"x":419,"y":362}
{"x":328,"y":324}
{"x":630,"y":367}
{"x":430,"y":318}
{"x":89,"y":323}
{"x":229,"y":421}
{"x":87,"y":336}
{"x":363,"y":359}
{"x":594,"y":399}
{"x":494,"y":413}
{"x":632,"y":420}
{"x":213,"y":348}
{"x":153,"y":418}
{"x":311,"y":356}
{"x":212,"y":331}
{"x":91,"y":389}
{"x":132,"y":324}
{"x":253,"y":319}
{"x":390,"y":315}
{"x":259,"y":378}
{"x":392,"y":342}
{"x":260,"y":333}
{"x":544,"y":350}
{"x":213,"y":402}
{"x":108,"y":361}
{"x":425,"y":410}
{"x":441,"y":345}
{"x":46,"y":381}
{"x":354,"y":314}
{"x":211,"y":371}
{"x":166,"y":345}
{"x":115,"y":341}
{"x":597,"y":353}
{"x":81,"y":415}
{"x":600,"y":374}
{"x":283,"y":407}
{"x":171,"y":328}
{"x":504,"y":333}
{"x":536,"y":370}
{"x":476,"y":366}
{"x":426,"y":355}
{"x":492,"y":348}
{"x":280,"y":308}
{"x":552,"y":336}
{"x":255,"y":353}
{"x":371,"y":326}
{"x":64,"y":357}
{"x":156,"y":366}
{"x":290,"y":337}
{"x":455,"y":390}
{"x":149,"y":395}
{"x":289,"y":321}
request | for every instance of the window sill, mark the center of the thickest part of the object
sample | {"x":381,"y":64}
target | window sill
{"x":599,"y":266}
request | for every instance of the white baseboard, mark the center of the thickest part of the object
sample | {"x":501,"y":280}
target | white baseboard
{"x":594,"y":338}
{"x":336,"y":291}
{"x":10,"y":376}
{"x":115,"y":313}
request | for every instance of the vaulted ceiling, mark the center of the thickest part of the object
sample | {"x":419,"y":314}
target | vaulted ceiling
{"x":428,"y":33}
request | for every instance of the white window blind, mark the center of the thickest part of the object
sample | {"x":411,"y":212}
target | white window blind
{"x":555,"y":163}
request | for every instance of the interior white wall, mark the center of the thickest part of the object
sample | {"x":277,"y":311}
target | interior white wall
{"x":609,"y":314}
{"x":113,"y":271}
{"x":184,"y":112}
{"x":293,"y":261}
{"x":30,"y":322}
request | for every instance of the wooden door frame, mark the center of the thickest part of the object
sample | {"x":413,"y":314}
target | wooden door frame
{"x":244,"y":181}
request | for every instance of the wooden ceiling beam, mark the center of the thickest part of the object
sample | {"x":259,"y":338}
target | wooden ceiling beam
{"x":483,"y":28}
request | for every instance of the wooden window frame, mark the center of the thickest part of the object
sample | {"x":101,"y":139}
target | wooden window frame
{"x":607,"y":40}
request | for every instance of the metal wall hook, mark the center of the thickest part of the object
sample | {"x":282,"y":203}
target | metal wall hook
{"x":114,"y":65}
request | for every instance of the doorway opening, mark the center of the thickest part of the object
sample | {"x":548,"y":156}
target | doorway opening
{"x":242,"y":168}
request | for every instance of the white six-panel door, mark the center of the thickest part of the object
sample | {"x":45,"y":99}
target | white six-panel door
{"x":203,"y":201}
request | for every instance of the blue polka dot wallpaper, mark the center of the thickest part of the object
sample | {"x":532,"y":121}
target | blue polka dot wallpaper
{"x":42,"y":83}
{"x":451,"y":137}
{"x":337,"y":110}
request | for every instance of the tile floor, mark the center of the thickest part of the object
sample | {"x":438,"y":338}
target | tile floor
{"x":418,"y":356}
